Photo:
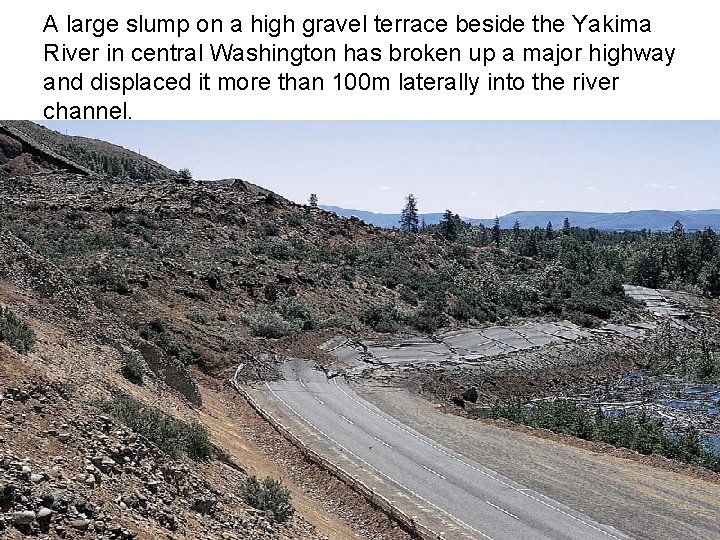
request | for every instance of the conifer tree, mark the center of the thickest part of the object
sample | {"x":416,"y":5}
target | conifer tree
{"x":496,"y":232}
{"x":409,"y":221}
{"x":448,"y":226}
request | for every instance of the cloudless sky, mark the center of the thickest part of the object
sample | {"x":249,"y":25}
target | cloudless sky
{"x":477,"y":169}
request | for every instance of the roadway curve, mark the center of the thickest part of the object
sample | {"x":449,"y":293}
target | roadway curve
{"x":481,"y":503}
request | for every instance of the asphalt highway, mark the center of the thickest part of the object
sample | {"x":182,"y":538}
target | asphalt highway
{"x":482,"y":503}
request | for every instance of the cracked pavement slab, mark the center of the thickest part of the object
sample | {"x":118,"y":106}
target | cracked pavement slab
{"x":468,"y":346}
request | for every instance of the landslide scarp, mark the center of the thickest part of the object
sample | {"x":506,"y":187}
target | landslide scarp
{"x":76,"y":154}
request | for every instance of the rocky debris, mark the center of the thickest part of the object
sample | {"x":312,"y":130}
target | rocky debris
{"x":22,"y":265}
{"x":169,"y":370}
{"x":66,"y":474}
{"x":19,"y":263}
{"x":245,"y":187}
{"x":677,"y":402}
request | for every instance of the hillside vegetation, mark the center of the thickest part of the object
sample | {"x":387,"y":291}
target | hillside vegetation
{"x":129,"y":297}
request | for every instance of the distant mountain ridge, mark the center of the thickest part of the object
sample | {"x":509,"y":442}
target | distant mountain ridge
{"x":657,"y":220}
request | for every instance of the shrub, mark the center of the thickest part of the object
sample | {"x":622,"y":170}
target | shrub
{"x":197,"y":317}
{"x":269,"y":495}
{"x":185,"y":174}
{"x":640,"y":432}
{"x":172,"y":436}
{"x":108,"y":279}
{"x":341,"y":320}
{"x":268,"y":228}
{"x":280,"y":251}
{"x":133,"y":369}
{"x":269,"y":324}
{"x":301,"y":311}
{"x":15,"y":332}
{"x":155,"y":332}
{"x":381,"y":318}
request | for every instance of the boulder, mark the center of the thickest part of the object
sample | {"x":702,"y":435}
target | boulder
{"x":26,"y":517}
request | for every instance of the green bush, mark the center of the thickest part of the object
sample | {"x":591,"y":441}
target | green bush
{"x":108,"y":279}
{"x":155,"y":332}
{"x":341,"y":320}
{"x":197,"y":317}
{"x":133,"y":369}
{"x":269,"y":495}
{"x":15,"y":332}
{"x":381,"y":318}
{"x":638,"y":432}
{"x":300,"y":311}
{"x":269,"y":324}
{"x":172,"y":436}
{"x":268,"y":228}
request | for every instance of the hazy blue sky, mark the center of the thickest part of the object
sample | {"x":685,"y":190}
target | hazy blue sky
{"x":478,"y":169}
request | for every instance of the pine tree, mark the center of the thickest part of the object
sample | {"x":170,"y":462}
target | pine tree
{"x":496,"y":232}
{"x":566,"y":227}
{"x":531,"y":248}
{"x":448,"y":226}
{"x":409,"y":220}
{"x":680,"y":252}
{"x":706,"y":245}
{"x":549,"y":230}
{"x":313,"y":200}
{"x":678,"y":230}
{"x":516,"y":230}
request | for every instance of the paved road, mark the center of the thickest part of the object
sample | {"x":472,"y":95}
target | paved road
{"x":483,"y":504}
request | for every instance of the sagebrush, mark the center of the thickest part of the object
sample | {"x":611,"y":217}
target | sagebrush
{"x":172,"y":436}
{"x":15,"y":332}
{"x":269,"y":495}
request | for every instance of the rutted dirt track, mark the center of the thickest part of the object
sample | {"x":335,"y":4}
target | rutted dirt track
{"x":643,"y":501}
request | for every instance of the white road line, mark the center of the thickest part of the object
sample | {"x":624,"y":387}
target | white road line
{"x":390,"y":478}
{"x":522,"y":491}
{"x":496,"y":507}
{"x":434,"y":472}
{"x":347,"y":420}
{"x":382,"y":442}
{"x":319,"y":400}
{"x":302,"y":383}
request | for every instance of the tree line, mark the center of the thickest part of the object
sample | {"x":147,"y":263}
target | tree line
{"x":676,"y":259}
